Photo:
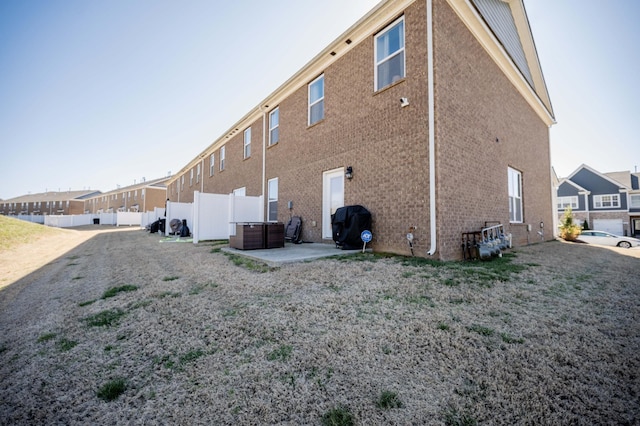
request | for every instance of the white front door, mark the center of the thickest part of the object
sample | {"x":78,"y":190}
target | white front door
{"x":332,"y":198}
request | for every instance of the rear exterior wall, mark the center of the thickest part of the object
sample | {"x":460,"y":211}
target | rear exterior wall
{"x":385,"y":144}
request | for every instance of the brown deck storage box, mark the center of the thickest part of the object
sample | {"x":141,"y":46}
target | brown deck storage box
{"x":273,"y":235}
{"x":249,"y":236}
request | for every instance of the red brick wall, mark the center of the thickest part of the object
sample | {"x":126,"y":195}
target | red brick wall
{"x":483,"y":126}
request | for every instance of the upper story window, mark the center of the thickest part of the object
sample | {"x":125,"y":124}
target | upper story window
{"x":316,"y":100}
{"x":247,"y":143}
{"x":191,"y":177}
{"x":274,"y":126}
{"x":212,"y":162}
{"x":222,"y":157}
{"x":182,"y":182}
{"x":634,"y":201}
{"x":606,"y":201}
{"x":564,"y":202}
{"x":515,"y":195}
{"x":198,"y":173}
{"x":389,"y":54}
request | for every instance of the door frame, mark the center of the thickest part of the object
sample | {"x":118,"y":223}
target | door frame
{"x":326,"y":199}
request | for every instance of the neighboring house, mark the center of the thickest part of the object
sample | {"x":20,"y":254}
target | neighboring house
{"x":607,"y":201}
{"x":47,"y":203}
{"x":141,"y":197}
{"x":432,"y":114}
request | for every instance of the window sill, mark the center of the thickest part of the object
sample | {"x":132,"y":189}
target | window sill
{"x":389,"y":86}
{"x":316,"y":123}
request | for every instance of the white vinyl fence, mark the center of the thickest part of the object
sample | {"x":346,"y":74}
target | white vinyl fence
{"x":68,"y":221}
{"x":179,"y":211}
{"x":149,"y":217}
{"x":35,"y":218}
{"x":129,"y":218}
{"x":215,"y":215}
{"x":107,"y":218}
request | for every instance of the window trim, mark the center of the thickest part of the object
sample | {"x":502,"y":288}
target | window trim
{"x":271,"y":199}
{"x":320,"y":99}
{"x":597,"y":199}
{"x":212,"y":162}
{"x":570,"y":201}
{"x":272,"y":128}
{"x":222,"y":157}
{"x":191,"y":177}
{"x":246,"y":143}
{"x":631,"y":203}
{"x":515,"y":200}
{"x":402,"y":51}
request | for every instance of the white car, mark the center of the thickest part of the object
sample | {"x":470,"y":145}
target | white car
{"x":607,"y":239}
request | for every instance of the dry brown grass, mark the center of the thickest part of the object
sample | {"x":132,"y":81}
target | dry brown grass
{"x":553,"y":340}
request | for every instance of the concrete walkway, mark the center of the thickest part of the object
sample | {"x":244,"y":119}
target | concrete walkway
{"x":291,"y":253}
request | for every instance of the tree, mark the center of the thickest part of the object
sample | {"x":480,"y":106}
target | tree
{"x":585,"y":225}
{"x":568,"y":229}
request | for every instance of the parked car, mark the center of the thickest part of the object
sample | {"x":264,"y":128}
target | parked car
{"x":607,"y":239}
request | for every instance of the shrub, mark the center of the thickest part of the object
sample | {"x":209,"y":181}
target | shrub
{"x":337,"y":417}
{"x":568,"y":229}
{"x":388,"y":399}
{"x":112,"y":390}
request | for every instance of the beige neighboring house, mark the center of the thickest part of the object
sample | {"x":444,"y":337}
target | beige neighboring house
{"x":47,"y":203}
{"x":141,"y":197}
{"x":434,"y":115}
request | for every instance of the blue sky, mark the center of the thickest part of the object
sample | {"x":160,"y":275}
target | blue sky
{"x":95,"y":94}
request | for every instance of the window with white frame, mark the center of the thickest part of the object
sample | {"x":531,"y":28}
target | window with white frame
{"x":222,"y":157}
{"x":191,"y":177}
{"x":634,"y":201}
{"x":515,"y":195}
{"x":316,"y":100}
{"x":606,"y":201}
{"x":274,"y":126}
{"x":389,"y":55}
{"x":198,"y":173}
{"x":247,"y":143}
{"x":272,"y":213}
{"x":182,"y":183}
{"x":142,"y":193}
{"x":565,"y":202}
{"x":212,"y":162}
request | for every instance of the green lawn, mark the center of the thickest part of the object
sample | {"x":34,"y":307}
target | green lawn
{"x":14,"y":232}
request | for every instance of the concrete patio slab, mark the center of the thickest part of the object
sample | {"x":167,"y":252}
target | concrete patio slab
{"x":291,"y":253}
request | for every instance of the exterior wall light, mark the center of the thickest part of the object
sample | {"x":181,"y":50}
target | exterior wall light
{"x":349,"y":173}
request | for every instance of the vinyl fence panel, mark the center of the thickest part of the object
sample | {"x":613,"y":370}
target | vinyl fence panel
{"x":129,"y":218}
{"x":179,"y":211}
{"x":107,"y":218}
{"x":211,"y":217}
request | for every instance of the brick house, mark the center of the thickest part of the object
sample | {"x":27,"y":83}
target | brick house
{"x":47,"y":203}
{"x":606,"y":201}
{"x":432,"y":114}
{"x":143,"y":197}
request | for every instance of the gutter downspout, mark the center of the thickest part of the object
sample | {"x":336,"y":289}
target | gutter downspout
{"x":432,"y":137}
{"x":264,"y":159}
